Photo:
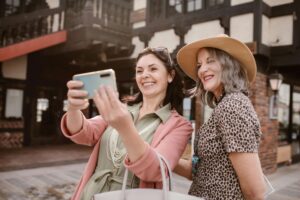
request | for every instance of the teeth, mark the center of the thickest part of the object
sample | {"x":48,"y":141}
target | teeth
{"x":207,"y":77}
{"x":148,"y":84}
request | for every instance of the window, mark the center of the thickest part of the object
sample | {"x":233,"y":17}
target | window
{"x":156,"y":9}
{"x":283,"y":112}
{"x":296,"y":123}
{"x":65,"y":105}
{"x":11,"y":6}
{"x":14,"y":103}
{"x":187,"y":106}
{"x":212,"y":3}
{"x":193,"y":5}
{"x":187,"y":6}
{"x":41,"y":106}
{"x":176,"y":4}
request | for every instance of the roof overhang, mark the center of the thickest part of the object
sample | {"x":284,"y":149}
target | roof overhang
{"x":29,"y":46}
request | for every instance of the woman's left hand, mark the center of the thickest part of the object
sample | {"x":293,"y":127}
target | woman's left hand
{"x":113,"y":111}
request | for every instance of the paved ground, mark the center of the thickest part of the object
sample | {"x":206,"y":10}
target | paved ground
{"x":58,"y":183}
{"x":42,"y":156}
{"x":286,"y":182}
{"x":45,"y":183}
{"x":23,"y":176}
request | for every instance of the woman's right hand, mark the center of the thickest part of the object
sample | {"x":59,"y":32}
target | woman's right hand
{"x":77,"y":99}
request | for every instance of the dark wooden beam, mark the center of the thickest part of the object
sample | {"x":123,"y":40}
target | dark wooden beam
{"x":204,"y":15}
{"x":291,"y":59}
{"x":296,"y":16}
{"x":258,"y":10}
{"x":281,"y":10}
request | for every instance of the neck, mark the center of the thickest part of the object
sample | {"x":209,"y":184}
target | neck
{"x":150,"y":105}
{"x":218,"y":94}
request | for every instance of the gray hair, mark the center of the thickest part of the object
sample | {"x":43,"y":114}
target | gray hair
{"x":233,"y":78}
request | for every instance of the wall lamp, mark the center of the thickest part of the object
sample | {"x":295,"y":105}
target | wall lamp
{"x":275,"y":83}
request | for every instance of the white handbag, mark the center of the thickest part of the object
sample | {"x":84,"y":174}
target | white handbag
{"x":147,"y":193}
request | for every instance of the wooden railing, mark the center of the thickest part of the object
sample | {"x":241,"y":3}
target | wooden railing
{"x":110,"y":16}
{"x":27,"y":26}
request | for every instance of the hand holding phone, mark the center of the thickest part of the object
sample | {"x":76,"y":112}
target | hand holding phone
{"x":92,"y":80}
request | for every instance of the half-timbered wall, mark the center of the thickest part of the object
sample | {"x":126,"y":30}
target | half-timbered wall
{"x":203,"y":30}
{"x":242,"y":26}
{"x":277,"y":31}
{"x":262,"y":25}
{"x":138,"y":20}
{"x":15,"y":68}
{"x":166,"y":38}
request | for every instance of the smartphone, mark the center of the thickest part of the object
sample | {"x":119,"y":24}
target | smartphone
{"x":92,"y":80}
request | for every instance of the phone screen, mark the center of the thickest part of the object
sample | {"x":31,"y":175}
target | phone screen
{"x":92,"y":80}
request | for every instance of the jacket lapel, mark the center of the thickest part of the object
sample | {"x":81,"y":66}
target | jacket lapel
{"x":163,"y":129}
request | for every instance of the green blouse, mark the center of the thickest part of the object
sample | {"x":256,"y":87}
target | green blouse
{"x":109,"y":172}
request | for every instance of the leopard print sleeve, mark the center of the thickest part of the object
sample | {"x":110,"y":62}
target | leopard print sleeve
{"x":238,"y":124}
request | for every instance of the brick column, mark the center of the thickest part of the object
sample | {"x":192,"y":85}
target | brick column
{"x":260,"y":95}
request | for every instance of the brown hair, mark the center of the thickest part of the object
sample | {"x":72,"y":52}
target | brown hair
{"x":174,"y":94}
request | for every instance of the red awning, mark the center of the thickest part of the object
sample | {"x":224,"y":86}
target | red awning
{"x":28,"y":46}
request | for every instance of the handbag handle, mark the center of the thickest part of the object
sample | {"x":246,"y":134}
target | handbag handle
{"x":270,"y":188}
{"x":163,"y":175}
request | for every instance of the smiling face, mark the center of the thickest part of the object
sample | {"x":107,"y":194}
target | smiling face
{"x":152,"y":76}
{"x":209,"y":72}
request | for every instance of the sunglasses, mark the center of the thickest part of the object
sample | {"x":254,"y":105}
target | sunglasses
{"x":162,"y":53}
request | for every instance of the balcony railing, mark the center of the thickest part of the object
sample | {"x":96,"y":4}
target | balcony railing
{"x":27,"y":26}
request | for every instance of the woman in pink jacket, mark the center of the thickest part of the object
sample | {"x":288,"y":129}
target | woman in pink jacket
{"x":127,"y":135}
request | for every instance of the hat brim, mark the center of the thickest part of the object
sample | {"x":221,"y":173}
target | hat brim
{"x":187,"y":55}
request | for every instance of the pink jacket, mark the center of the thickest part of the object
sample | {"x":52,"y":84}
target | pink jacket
{"x":169,"y":140}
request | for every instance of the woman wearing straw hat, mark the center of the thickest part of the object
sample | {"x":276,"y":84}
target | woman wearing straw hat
{"x":225,"y":164}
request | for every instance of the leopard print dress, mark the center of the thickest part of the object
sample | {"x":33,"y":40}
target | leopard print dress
{"x":232,"y":127}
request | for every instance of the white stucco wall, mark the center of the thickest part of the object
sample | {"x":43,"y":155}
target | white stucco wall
{"x":138,"y":24}
{"x":56,"y":24}
{"x":139,"y":4}
{"x":139,"y":46}
{"x":53,"y":3}
{"x":15,"y":68}
{"x":203,"y":30}
{"x":237,"y":2}
{"x":241,"y":27}
{"x":277,"y":2}
{"x":277,"y":31}
{"x":166,"y":38}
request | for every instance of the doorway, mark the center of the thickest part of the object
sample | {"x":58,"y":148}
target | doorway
{"x":46,"y":112}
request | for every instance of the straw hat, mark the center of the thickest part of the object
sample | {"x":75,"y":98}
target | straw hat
{"x":187,"y":55}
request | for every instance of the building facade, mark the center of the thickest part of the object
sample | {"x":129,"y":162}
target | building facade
{"x":271,"y":31}
{"x":44,"y":43}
